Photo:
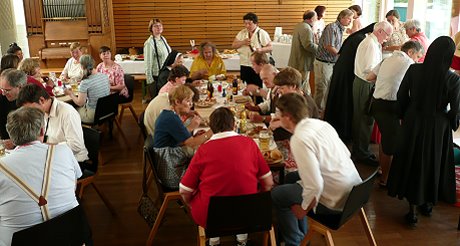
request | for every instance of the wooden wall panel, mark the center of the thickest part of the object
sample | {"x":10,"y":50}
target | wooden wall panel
{"x":217,"y":21}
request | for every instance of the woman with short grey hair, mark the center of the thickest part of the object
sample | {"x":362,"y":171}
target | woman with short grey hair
{"x":93,"y":86}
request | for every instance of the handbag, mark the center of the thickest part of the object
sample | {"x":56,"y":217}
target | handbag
{"x":147,"y":208}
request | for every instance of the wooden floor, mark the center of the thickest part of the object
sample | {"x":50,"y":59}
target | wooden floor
{"x":120,"y":180}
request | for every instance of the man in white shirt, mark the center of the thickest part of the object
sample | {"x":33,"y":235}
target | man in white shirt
{"x":18,"y":210}
{"x":388,"y":76}
{"x":368,"y":55}
{"x":326,"y":172}
{"x":251,"y":39}
{"x":62,"y":121}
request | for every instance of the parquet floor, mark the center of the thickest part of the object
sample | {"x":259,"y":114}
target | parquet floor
{"x":120,"y":180}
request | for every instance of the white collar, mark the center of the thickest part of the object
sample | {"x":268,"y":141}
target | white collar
{"x":223,"y":135}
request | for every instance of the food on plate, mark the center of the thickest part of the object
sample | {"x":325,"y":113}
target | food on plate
{"x":275,"y":154}
{"x":229,"y":52}
{"x":241,"y":99}
{"x":206,"y":103}
{"x":255,"y":131}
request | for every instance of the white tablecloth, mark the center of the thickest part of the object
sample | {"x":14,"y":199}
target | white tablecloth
{"x":137,"y":67}
{"x":280,"y":53}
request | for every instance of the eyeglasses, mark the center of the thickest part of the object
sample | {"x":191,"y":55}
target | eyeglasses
{"x":6,"y":91}
{"x":385,"y":32}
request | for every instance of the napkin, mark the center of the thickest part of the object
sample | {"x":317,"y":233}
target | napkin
{"x":118,"y":58}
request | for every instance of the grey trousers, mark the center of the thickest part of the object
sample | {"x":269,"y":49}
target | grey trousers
{"x":362,"y":122}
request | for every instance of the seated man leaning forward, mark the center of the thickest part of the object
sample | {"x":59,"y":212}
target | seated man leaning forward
{"x":63,"y":123}
{"x":18,"y":210}
{"x":169,"y":128}
{"x":327,"y":173}
{"x":212,"y":174}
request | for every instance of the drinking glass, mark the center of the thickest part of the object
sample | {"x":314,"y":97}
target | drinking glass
{"x":192,"y":43}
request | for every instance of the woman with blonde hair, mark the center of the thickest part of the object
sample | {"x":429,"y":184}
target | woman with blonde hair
{"x":73,"y":69}
{"x":31,"y":67}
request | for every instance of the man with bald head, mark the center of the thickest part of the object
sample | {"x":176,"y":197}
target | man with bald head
{"x":303,"y":49}
{"x":267,"y":75}
{"x":368,"y":56}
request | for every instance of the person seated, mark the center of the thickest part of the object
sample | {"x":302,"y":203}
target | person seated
{"x":172,"y":60}
{"x":93,"y":86}
{"x":11,"y":82}
{"x":208,"y":63}
{"x":326,"y":173}
{"x":169,"y":128}
{"x":63,"y":123}
{"x":258,"y":60}
{"x":9,"y":61}
{"x":18,"y":210}
{"x":34,"y":75}
{"x":15,"y":50}
{"x":212,"y":174}
{"x":73,"y":69}
{"x":115,"y":73}
{"x":177,"y":76}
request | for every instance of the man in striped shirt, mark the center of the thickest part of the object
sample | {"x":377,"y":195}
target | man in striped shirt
{"x":327,"y":54}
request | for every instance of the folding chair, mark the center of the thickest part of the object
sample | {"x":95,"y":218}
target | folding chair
{"x":127,"y":103}
{"x":92,"y":139}
{"x":69,"y":228}
{"x":324,"y":223}
{"x":166,"y":195}
{"x":231,"y":215}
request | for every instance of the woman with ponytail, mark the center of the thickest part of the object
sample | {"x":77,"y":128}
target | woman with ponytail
{"x":92,"y":87}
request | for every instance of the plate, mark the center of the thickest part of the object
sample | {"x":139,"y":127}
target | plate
{"x":204,"y":104}
{"x":59,"y":94}
{"x":241,"y":99}
{"x":272,"y":144}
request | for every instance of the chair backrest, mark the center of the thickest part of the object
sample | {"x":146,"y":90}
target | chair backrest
{"x":150,"y":157}
{"x":106,"y":108}
{"x":92,"y":139}
{"x":69,"y":228}
{"x":231,"y":215}
{"x":358,"y":197}
{"x":141,"y":124}
{"x":129,"y":83}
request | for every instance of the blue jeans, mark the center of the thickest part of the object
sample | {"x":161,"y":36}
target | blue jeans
{"x":292,"y":229}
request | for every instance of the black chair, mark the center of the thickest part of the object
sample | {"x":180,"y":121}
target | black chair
{"x":231,"y":215}
{"x":106,"y":112}
{"x":358,"y":197}
{"x":165,"y":195}
{"x":69,"y":228}
{"x":140,"y":123}
{"x":92,"y":139}
{"x":126,"y":103}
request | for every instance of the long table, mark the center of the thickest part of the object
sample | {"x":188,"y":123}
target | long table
{"x":232,"y":63}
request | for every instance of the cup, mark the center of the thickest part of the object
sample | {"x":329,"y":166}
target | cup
{"x":2,"y":148}
{"x":264,"y":140}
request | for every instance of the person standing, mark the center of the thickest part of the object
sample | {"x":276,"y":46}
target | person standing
{"x":303,"y":49}
{"x":388,"y":76}
{"x":251,"y":39}
{"x":156,"y":49}
{"x":327,"y":54}
{"x":319,"y":25}
{"x":339,"y":106}
{"x":429,"y":101}
{"x":326,"y":174}
{"x":368,"y":56}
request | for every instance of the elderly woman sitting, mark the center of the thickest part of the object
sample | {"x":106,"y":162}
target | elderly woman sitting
{"x":208,"y":63}
{"x":31,"y":67}
{"x":73,"y":69}
{"x":93,"y":86}
{"x":115,"y":73}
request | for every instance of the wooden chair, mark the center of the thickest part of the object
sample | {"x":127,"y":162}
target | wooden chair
{"x":106,"y":112}
{"x":165,"y":195}
{"x":324,"y":223}
{"x":127,"y":104}
{"x":69,"y":228}
{"x":231,"y":215}
{"x":92,"y":139}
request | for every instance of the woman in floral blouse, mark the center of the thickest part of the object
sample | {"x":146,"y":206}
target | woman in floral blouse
{"x":114,"y":71}
{"x":398,"y":37}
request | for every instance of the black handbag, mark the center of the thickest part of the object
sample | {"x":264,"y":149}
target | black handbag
{"x":147,"y":207}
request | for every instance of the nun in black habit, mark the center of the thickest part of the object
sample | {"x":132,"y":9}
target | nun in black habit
{"x":339,"y":105}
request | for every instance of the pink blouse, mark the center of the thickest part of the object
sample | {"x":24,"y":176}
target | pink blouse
{"x":116,"y":77}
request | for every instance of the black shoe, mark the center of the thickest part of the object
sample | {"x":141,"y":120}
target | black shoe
{"x":426,"y":209}
{"x":370,"y":161}
{"x":411,"y":219}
